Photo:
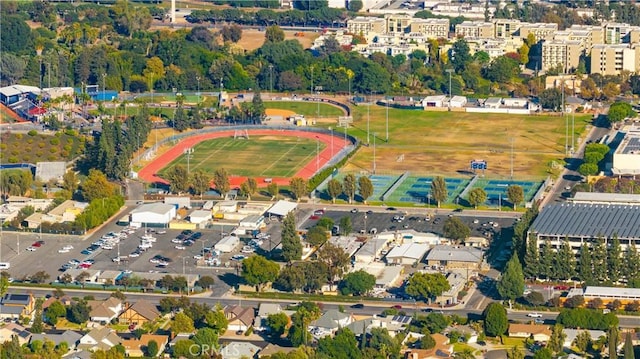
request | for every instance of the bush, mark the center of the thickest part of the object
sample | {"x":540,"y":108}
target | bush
{"x":574,"y":302}
{"x":18,"y":136}
{"x":53,"y":149}
{"x":54,"y":141}
{"x":70,"y":132}
{"x":32,"y":133}
{"x":30,"y":141}
{"x":41,"y":144}
{"x":13,"y":159}
{"x":586,"y":319}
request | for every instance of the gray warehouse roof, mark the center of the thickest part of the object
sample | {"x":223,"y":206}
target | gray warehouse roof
{"x":588,"y":220}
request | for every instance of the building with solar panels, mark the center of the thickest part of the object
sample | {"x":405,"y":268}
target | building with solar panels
{"x":626,"y":158}
{"x":584,"y":223}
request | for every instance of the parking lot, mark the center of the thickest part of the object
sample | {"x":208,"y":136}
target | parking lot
{"x":366,"y":221}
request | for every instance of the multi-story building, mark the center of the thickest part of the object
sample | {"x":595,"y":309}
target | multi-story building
{"x":431,"y":28}
{"x":564,"y":53}
{"x":506,"y":28}
{"x":366,"y":26}
{"x":589,"y":35}
{"x":541,"y":30}
{"x":616,"y":32}
{"x":475,"y":29}
{"x":626,"y":158}
{"x":493,"y":47}
{"x":610,"y":59}
{"x":398,"y":23}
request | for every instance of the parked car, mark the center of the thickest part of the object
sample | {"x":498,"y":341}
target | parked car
{"x":358,"y":306}
{"x":238,"y":257}
{"x":534,"y":315}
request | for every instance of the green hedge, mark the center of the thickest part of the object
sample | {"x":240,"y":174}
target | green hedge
{"x":316,"y":180}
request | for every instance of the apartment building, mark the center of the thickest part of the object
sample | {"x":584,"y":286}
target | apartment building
{"x":398,"y":23}
{"x":493,"y":47}
{"x":621,"y":33}
{"x":589,"y":35}
{"x":610,"y":59}
{"x":565,"y":53}
{"x":366,"y":26}
{"x":506,"y":28}
{"x":431,"y":28}
{"x":475,"y":29}
{"x":541,"y":30}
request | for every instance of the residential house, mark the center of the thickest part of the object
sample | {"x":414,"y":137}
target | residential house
{"x":442,"y":349}
{"x":14,"y":329}
{"x":104,"y":311}
{"x":393,"y":324}
{"x":329,"y":323}
{"x":103,"y":338}
{"x":539,"y":333}
{"x":272,"y":349}
{"x":137,"y":347}
{"x":17,"y":305}
{"x":240,"y":318}
{"x":264,"y":311}
{"x":179,"y":337}
{"x":139,"y":313}
{"x":68,"y":336}
{"x":571,"y":334}
{"x":239,"y":350}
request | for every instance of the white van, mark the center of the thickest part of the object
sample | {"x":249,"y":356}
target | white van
{"x":5,"y":265}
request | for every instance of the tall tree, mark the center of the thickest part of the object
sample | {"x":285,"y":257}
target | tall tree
{"x":200,"y":182}
{"x":515,"y":194}
{"x":221,"y":181}
{"x":291,"y":245}
{"x":495,"y":319}
{"x":178,"y":179}
{"x":614,"y":260}
{"x":612,"y":335}
{"x":365,"y":188}
{"x":455,"y":229}
{"x":585,"y":266}
{"x":631,"y":266}
{"x":547,"y":261}
{"x":298,"y":187}
{"x":556,"y":342}
{"x":439,"y":190}
{"x":565,"y":261}
{"x":274,"y":34}
{"x":96,"y":186}
{"x":477,"y":196}
{"x":628,"y":346}
{"x":531,"y":258}
{"x":257,"y":271}
{"x":425,"y":286}
{"x":349,"y":186}
{"x":511,"y":283}
{"x":460,"y":55}
{"x":599,"y":258}
{"x":335,"y":259}
{"x":334,"y":188}
{"x":249,"y":187}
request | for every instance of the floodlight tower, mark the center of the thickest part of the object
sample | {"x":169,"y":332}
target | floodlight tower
{"x":173,"y":11}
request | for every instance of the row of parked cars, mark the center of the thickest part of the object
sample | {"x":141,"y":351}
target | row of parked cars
{"x":186,"y":239}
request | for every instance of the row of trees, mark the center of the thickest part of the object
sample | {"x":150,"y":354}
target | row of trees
{"x":594,"y":153}
{"x":478,"y":196}
{"x":599,"y":262}
{"x":348,"y":187}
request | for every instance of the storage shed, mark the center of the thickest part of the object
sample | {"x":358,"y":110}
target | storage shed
{"x":227,"y":244}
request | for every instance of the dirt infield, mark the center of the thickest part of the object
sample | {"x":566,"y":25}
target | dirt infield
{"x":149,"y":173}
{"x":277,"y":112}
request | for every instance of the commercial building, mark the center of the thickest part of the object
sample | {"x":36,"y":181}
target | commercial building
{"x":153,"y":214}
{"x":366,"y":26}
{"x":408,"y":253}
{"x":455,"y":257}
{"x":475,"y":29}
{"x":227,"y":244}
{"x":506,"y":28}
{"x":585,"y":223}
{"x":626,"y":158}
{"x":607,"y":294}
{"x":605,"y":198}
{"x":541,"y":30}
{"x":612,"y":59}
{"x":67,"y":211}
{"x":561,"y":53}
{"x":431,"y":28}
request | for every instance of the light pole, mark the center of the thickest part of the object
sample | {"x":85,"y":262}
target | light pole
{"x":374,"y":152}
{"x":368,"y":116}
{"x":271,"y":79}
{"x":188,"y":152}
{"x":331,"y":129}
{"x":198,"y":80}
{"x":104,"y":87}
{"x":318,"y":102}
{"x":345,"y":133}
{"x":512,"y":140}
{"x":573,"y":123}
{"x":317,"y":154}
{"x":387,"y":106}
{"x":449,"y":71}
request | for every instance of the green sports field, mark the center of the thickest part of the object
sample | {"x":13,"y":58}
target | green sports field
{"x":258,"y":156}
{"x":308,"y":109}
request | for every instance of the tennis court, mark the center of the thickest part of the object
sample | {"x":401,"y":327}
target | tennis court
{"x":497,"y":189}
{"x":417,"y":189}
{"x":381,"y":184}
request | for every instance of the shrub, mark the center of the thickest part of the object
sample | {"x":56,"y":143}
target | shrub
{"x":18,"y":136}
{"x":64,"y":154}
{"x":53,"y":149}
{"x":67,"y":148}
{"x":70,"y":132}
{"x":54,"y":141}
{"x":32,"y":133}
{"x":41,"y":144}
{"x":13,"y":159}
{"x":30,"y":141}
{"x":52,"y":158}
{"x":3,"y":146}
{"x":58,"y":134}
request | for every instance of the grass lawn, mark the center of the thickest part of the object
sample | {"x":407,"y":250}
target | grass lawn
{"x":308,"y":109}
{"x":445,"y":142}
{"x":259,"y":156}
{"x":65,"y":324}
{"x":512,"y":342}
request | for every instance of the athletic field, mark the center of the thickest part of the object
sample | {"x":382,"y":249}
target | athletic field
{"x":258,"y":156}
{"x":309,"y":109}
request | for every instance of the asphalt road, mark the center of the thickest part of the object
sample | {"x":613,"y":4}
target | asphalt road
{"x":370,"y":308}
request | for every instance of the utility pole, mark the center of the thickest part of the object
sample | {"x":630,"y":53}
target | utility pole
{"x":271,"y":79}
{"x":198,"y":80}
{"x":387,"y":106}
{"x":449,"y":71}
{"x":104,"y":87}
{"x":374,"y":152}
{"x":368,"y":116}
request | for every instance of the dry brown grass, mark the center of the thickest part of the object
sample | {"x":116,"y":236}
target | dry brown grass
{"x":253,"y":39}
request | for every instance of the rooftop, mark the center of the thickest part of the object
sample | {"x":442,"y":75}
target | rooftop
{"x":409,"y":250}
{"x":595,"y":197}
{"x":588,"y":220}
{"x":455,"y":253}
{"x":158,"y":208}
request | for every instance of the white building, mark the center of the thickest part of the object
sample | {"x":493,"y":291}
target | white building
{"x":282,"y":208}
{"x":153,"y":214}
{"x":200,"y":216}
{"x":227,"y":244}
{"x":181,"y":201}
{"x":370,"y":251}
{"x":252,"y":222}
{"x":626,"y":158}
{"x":434,"y":101}
{"x":408,"y":253}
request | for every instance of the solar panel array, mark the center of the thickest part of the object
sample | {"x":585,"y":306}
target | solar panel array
{"x":633,"y":146}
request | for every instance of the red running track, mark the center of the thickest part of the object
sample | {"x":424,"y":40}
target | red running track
{"x":149,"y":173}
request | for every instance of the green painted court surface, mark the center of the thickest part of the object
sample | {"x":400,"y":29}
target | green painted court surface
{"x":258,"y":156}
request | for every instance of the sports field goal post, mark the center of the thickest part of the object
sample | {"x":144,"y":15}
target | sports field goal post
{"x":244,"y":134}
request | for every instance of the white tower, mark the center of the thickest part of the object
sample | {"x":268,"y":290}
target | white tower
{"x":173,"y":11}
